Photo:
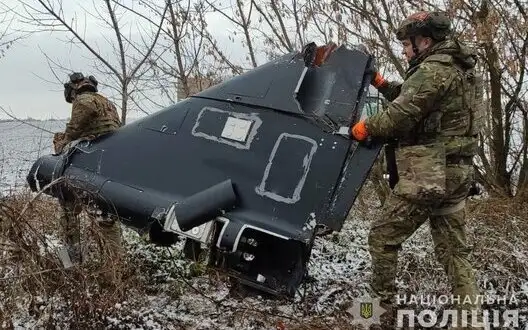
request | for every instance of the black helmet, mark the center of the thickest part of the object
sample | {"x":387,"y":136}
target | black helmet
{"x":79,"y":83}
{"x":435,"y":25}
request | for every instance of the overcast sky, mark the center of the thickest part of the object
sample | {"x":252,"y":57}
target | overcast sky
{"x":28,"y":87}
{"x":23,"y":88}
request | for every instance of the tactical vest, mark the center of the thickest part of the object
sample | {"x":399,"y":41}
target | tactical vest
{"x":460,"y":112}
{"x":106,"y":118}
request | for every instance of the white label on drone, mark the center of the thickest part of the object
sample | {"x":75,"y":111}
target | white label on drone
{"x":236,"y":129}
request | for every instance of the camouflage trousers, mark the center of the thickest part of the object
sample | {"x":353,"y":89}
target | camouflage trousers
{"x":401,"y":218}
{"x":70,"y":226}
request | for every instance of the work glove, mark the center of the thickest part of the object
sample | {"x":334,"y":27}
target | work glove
{"x":377,"y":79}
{"x":58,"y":142}
{"x":359,"y":131}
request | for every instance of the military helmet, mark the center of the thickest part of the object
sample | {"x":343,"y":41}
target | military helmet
{"x":79,"y":83}
{"x":435,"y":25}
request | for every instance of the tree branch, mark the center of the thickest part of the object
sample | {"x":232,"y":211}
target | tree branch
{"x":68,"y":27}
{"x":149,"y":51}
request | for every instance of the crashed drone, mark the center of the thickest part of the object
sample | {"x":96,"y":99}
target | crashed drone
{"x":247,"y":170}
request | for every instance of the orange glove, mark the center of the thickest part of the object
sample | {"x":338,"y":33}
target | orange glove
{"x":378,"y":80}
{"x":359,"y":131}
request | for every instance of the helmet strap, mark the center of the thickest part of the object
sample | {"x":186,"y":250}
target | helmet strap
{"x":414,"y":46}
{"x":415,"y":50}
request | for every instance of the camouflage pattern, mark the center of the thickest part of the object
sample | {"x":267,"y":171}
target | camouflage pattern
{"x":401,"y":218}
{"x":421,"y":172}
{"x":390,"y":90}
{"x":111,"y":233}
{"x":70,"y":228}
{"x":58,"y":142}
{"x":432,"y":114}
{"x":436,"y":89}
{"x":436,"y":25}
{"x":92,"y":115}
{"x":109,"y":229}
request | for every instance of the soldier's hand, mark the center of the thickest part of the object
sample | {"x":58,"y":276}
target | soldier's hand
{"x":58,"y":142}
{"x":377,"y":79}
{"x":359,"y":131}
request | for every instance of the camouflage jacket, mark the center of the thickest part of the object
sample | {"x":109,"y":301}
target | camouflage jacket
{"x":437,"y":102}
{"x":92,"y":115}
{"x":435,"y":115}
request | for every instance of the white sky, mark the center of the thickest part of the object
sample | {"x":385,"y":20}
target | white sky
{"x":28,"y":87}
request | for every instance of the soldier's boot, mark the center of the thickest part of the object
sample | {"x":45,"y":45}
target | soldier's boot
{"x":71,"y":233}
{"x":399,"y":221}
{"x":467,"y":291}
{"x":383,"y":286}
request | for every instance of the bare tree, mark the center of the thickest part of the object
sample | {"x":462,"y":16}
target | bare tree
{"x":284,"y":24}
{"x":240,"y":15}
{"x":372,"y":23}
{"x":181,"y":57}
{"x":184,"y":60}
{"x":4,"y":29}
{"x":8,"y":35}
{"x":127,"y":63}
{"x":498,"y":31}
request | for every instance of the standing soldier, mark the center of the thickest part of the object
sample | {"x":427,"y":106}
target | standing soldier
{"x":92,"y":116}
{"x":435,"y":116}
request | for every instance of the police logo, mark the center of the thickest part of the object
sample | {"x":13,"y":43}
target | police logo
{"x":365,"y":310}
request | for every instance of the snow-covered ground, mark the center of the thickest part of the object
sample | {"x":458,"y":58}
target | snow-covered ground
{"x":168,"y":292}
{"x":339,"y":266}
{"x":20,"y":145}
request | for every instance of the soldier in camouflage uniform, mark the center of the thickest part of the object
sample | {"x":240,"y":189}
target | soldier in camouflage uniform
{"x":435,"y":116}
{"x":92,"y":115}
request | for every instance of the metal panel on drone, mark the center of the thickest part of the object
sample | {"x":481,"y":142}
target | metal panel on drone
{"x":260,"y":150}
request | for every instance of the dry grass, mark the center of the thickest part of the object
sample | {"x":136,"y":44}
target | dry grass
{"x":32,"y":274}
{"x":34,"y":284}
{"x":500,"y":236}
